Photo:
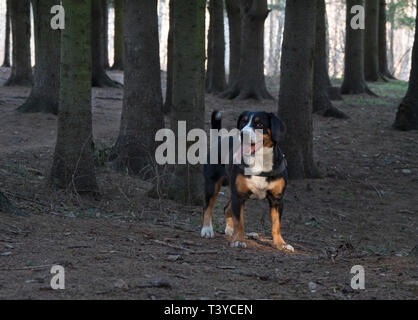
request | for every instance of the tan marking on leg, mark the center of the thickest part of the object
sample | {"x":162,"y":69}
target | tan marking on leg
{"x":241,"y":183}
{"x":207,"y":217}
{"x":275,"y":228}
{"x":238,"y":235}
{"x":229,"y":228}
{"x":276,"y":187}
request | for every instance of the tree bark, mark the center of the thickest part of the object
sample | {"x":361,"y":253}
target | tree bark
{"x":105,"y":34}
{"x":73,"y":165}
{"x":234,"y":23}
{"x":250,"y":83}
{"x":21,"y":69}
{"x":6,"y":61}
{"x":215,"y":74}
{"x":142,"y":103}
{"x":118,"y":40}
{"x":296,"y":84}
{"x":169,"y":78}
{"x":185,"y":181}
{"x":99,"y":75}
{"x":383,"y":60}
{"x":371,"y":43}
{"x":407,"y":114}
{"x":354,"y":81}
{"x":321,"y":101}
{"x":44,"y":96}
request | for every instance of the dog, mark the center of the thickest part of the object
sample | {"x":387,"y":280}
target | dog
{"x":268,"y":182}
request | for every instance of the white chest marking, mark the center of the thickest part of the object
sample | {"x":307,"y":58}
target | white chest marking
{"x":258,"y":187}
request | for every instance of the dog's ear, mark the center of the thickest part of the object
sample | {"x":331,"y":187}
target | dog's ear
{"x":278,"y":128}
{"x":240,"y":117}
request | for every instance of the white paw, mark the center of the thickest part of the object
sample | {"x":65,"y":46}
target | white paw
{"x":229,"y":231}
{"x":207,"y":232}
{"x":238,"y":244}
{"x":288,"y":247}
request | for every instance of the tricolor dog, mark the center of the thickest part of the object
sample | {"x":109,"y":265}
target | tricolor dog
{"x":268,"y":181}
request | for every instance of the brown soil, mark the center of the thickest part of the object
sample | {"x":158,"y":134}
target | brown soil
{"x":363,"y":212}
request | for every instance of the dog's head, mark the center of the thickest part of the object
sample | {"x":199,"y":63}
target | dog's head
{"x":271,"y":127}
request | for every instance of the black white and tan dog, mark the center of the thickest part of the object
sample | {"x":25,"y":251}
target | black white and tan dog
{"x":269,"y":181}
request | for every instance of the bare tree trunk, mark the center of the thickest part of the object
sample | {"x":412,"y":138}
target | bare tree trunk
{"x":296,"y":84}
{"x":21,"y":69}
{"x":73,"y":165}
{"x":371,"y":43}
{"x":105,"y":34}
{"x":383,"y":61}
{"x":44,"y":96}
{"x":169,"y":82}
{"x":6,"y":61}
{"x":234,"y":22}
{"x":118,"y":42}
{"x":142,"y":102}
{"x":215,"y":74}
{"x":250,"y":83}
{"x":407,"y":114}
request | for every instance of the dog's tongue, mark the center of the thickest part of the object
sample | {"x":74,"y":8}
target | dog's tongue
{"x":247,"y":149}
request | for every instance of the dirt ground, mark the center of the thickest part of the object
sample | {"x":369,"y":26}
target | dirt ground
{"x":364,"y":211}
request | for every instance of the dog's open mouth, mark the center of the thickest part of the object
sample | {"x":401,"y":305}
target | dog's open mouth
{"x":250,"y":149}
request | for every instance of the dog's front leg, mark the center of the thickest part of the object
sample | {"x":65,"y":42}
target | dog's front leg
{"x":278,"y":241}
{"x":237,"y":206}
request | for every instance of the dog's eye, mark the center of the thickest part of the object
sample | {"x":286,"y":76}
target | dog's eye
{"x":258,"y":125}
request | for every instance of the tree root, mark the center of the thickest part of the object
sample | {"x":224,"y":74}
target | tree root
{"x":33,"y":105}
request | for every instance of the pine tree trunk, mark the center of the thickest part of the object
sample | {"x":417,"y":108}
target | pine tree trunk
{"x":296,"y":84}
{"x":21,"y":69}
{"x":354,"y":81}
{"x":215,"y":74}
{"x":250,"y":83}
{"x":383,"y":61}
{"x":169,"y":78}
{"x":44,"y":96}
{"x":234,"y":22}
{"x":118,"y":40}
{"x":142,"y":104}
{"x":99,"y":76}
{"x":185,"y":181}
{"x":371,"y":43}
{"x":321,"y":101}
{"x":73,"y":165}
{"x":105,"y":34}
{"x":6,"y":61}
{"x":407,"y":114}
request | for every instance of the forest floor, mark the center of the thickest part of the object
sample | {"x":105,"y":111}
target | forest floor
{"x":125,"y":245}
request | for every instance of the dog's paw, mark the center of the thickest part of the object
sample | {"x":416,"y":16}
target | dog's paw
{"x":207,"y":232}
{"x":229,"y":231}
{"x":285,"y":247}
{"x":238,"y":244}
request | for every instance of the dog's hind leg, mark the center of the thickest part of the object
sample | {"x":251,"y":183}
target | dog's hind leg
{"x":211,"y":195}
{"x":229,"y":228}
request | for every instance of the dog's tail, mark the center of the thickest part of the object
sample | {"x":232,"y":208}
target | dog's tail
{"x":216,"y":120}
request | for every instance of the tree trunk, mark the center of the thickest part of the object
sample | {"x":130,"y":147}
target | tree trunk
{"x":118,"y":40}
{"x":142,"y":103}
{"x":21,"y":69}
{"x":169,"y":78}
{"x":73,"y":165}
{"x":383,"y":61}
{"x":6,"y":61}
{"x":371,"y":43}
{"x":185,"y":182}
{"x":234,"y":22}
{"x":215,"y":75}
{"x":44,"y":96}
{"x":391,"y":18}
{"x":354,"y":81}
{"x":321,"y":101}
{"x":250,"y":83}
{"x":407,"y":114}
{"x":296,"y":84}
{"x":105,"y":34}
{"x":99,"y":76}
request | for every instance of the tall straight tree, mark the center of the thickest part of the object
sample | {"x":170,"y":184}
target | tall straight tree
{"x":6,"y":61}
{"x":73,"y":165}
{"x":215,"y":74}
{"x":383,"y":60}
{"x":99,"y":76}
{"x":354,"y":81}
{"x":21,"y":68}
{"x":169,"y":78}
{"x":185,"y":183}
{"x":118,"y":40}
{"x":105,"y":34}
{"x":407,"y":114}
{"x":234,"y":22}
{"x":371,"y":41}
{"x":321,"y":100}
{"x":44,"y":96}
{"x":250,"y":82}
{"x":142,"y":101}
{"x":296,"y":84}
